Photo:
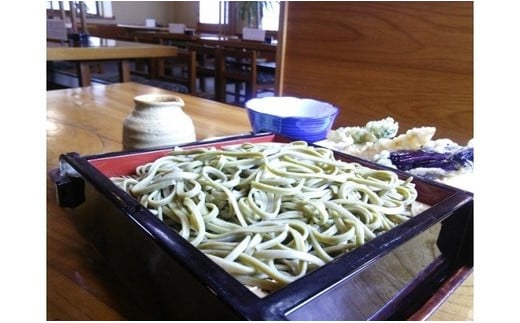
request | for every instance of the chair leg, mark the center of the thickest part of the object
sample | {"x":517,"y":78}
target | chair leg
{"x":217,"y":87}
{"x":124,"y":71}
{"x":84,"y":73}
{"x":202,"y":84}
{"x":238,"y":88}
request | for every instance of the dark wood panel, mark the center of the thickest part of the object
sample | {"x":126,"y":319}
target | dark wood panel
{"x":409,"y":60}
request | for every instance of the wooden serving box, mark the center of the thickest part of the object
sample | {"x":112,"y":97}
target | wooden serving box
{"x":398,"y":275}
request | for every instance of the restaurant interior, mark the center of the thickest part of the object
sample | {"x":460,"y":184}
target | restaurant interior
{"x":407,"y":63}
{"x":127,"y":22}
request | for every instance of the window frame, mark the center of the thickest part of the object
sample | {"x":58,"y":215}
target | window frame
{"x":228,"y":29}
{"x":51,"y":13}
{"x":225,"y":28}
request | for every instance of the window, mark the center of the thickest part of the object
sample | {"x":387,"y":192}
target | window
{"x":215,"y":13}
{"x":214,"y":17}
{"x":271,"y":16}
{"x":209,"y":12}
{"x":97,"y":9}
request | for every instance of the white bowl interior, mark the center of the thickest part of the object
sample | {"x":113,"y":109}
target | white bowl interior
{"x":286,"y":106}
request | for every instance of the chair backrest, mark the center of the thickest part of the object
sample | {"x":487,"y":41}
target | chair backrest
{"x":147,"y":67}
{"x":181,"y":69}
{"x":146,"y":37}
{"x":206,"y":57}
{"x":237,"y":66}
{"x":206,"y":66}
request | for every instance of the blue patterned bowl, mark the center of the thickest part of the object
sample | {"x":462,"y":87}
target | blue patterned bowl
{"x":295,"y":118}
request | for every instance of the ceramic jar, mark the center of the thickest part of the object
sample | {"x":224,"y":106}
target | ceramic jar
{"x":157,"y":120}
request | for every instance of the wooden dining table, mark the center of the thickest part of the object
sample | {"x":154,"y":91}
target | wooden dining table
{"x":88,"y":121}
{"x":101,"y":49}
{"x":265,"y":50}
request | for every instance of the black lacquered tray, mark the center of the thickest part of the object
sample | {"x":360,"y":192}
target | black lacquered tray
{"x":394,"y":276}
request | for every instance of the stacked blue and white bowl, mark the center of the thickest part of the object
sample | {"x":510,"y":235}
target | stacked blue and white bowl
{"x":294,"y":118}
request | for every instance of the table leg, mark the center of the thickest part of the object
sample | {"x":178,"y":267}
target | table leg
{"x":124,"y":71}
{"x":84,"y":74}
{"x":159,"y":66}
{"x":154,"y":68}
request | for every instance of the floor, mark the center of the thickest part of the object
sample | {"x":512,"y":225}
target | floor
{"x":62,"y":75}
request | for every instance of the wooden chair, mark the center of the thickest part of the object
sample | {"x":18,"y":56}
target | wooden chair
{"x":150,"y":67}
{"x":178,"y":69}
{"x":239,"y":69}
{"x":181,"y":69}
{"x":206,"y":69}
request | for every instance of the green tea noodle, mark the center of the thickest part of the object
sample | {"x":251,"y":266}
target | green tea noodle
{"x":270,"y":213}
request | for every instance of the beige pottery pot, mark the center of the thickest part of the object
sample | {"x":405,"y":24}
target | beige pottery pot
{"x":157,"y":120}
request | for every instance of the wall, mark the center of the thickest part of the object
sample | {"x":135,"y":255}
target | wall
{"x":135,"y":12}
{"x":186,"y":12}
{"x":164,"y":12}
{"x":409,"y":60}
